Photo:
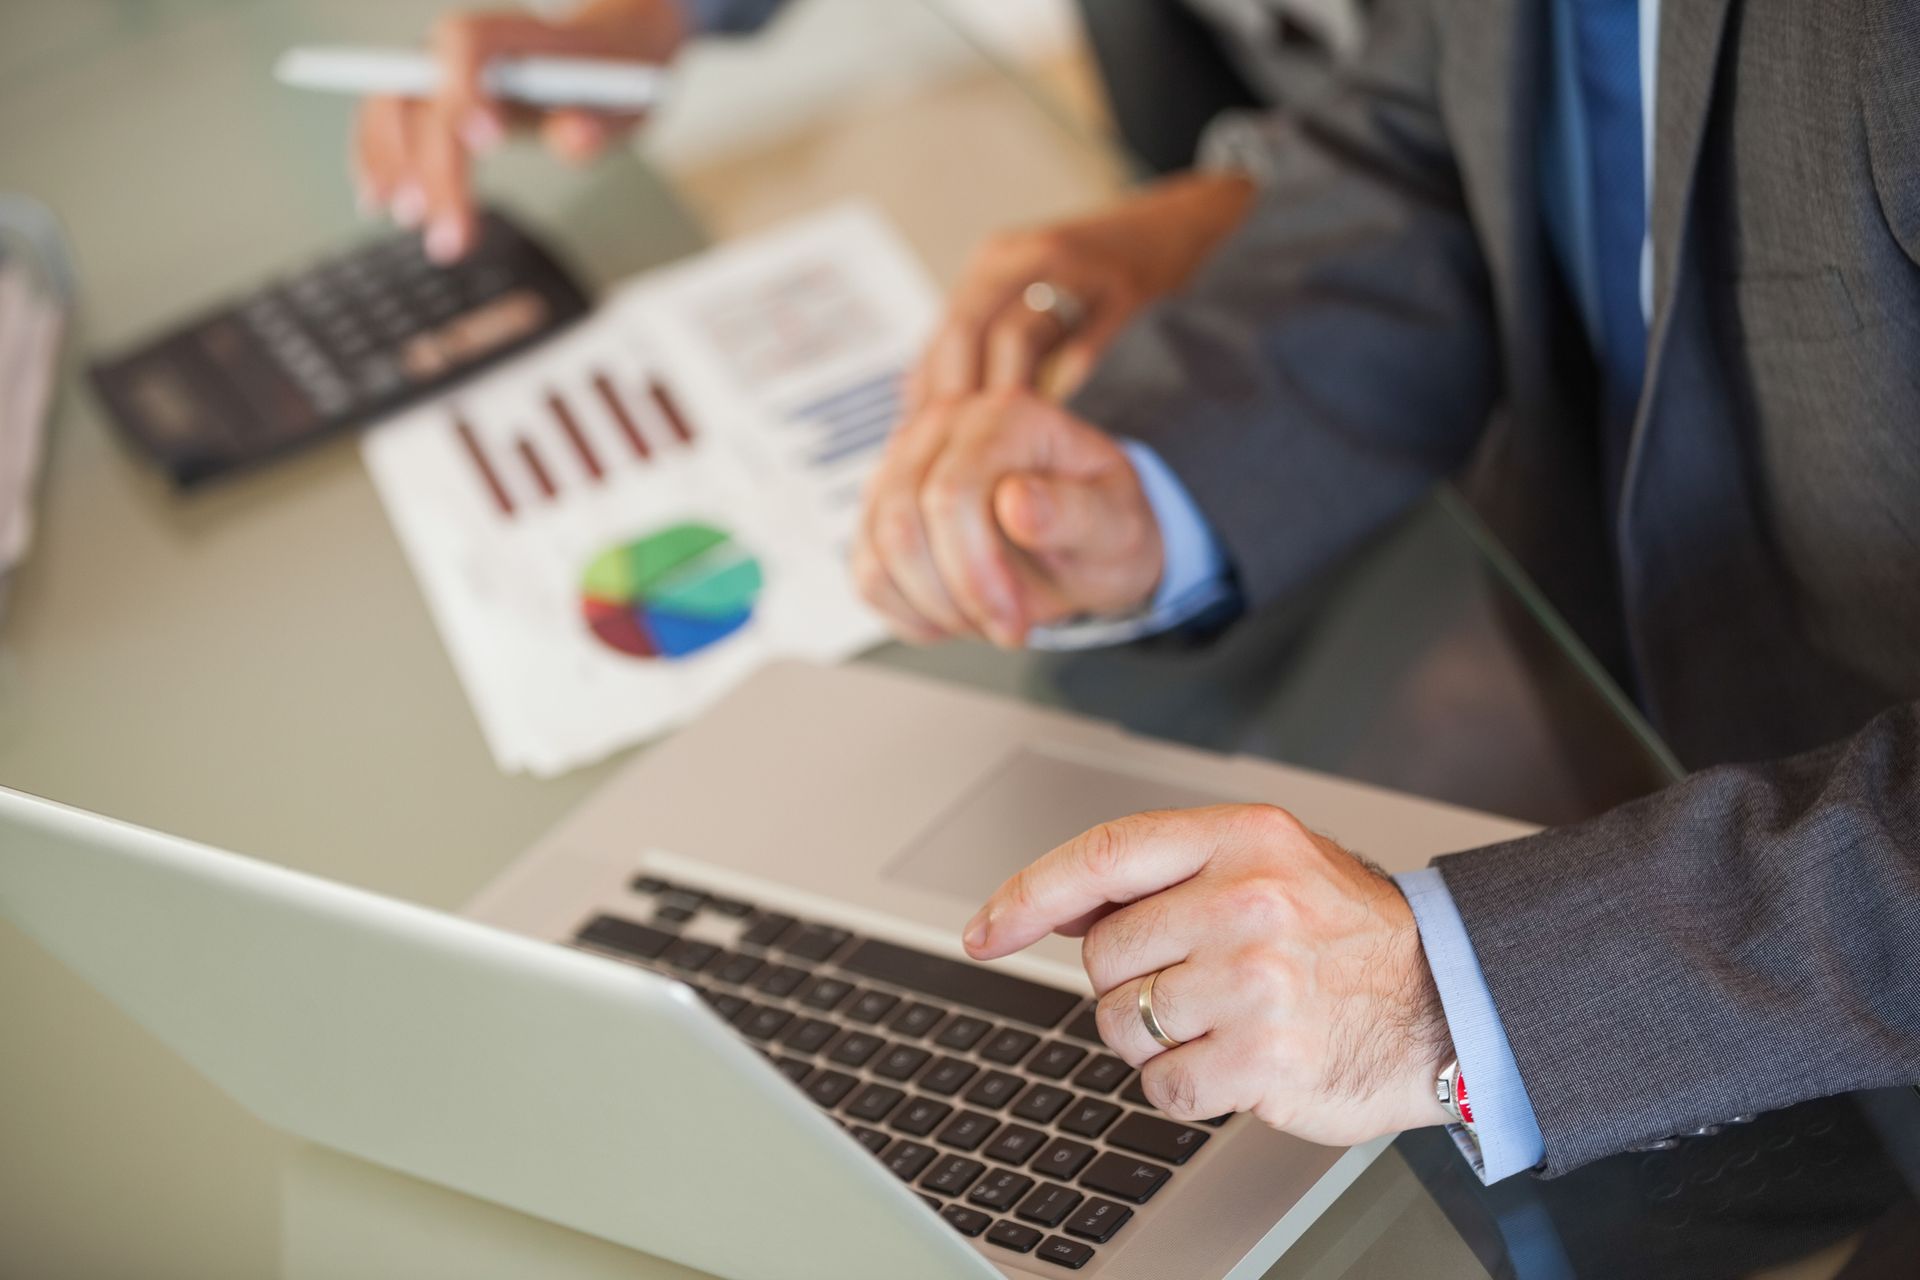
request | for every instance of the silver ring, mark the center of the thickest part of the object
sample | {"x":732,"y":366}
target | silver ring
{"x":1060,"y":305}
{"x":1146,"y":1014}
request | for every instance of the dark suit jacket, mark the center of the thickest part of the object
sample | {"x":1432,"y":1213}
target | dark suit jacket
{"x":1390,"y":314}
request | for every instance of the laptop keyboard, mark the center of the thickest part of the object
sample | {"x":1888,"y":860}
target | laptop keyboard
{"x":990,"y":1095}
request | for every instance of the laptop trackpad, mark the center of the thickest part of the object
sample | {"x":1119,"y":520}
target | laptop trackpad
{"x":1026,"y":804}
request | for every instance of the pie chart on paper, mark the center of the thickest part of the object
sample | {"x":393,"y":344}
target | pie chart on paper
{"x":671,"y":593}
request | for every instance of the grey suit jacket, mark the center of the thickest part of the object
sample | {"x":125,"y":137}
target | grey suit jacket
{"x":1390,"y":315}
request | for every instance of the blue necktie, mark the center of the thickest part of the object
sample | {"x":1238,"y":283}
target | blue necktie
{"x":1608,"y":33}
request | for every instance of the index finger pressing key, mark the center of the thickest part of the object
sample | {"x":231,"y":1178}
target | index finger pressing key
{"x":1115,"y":862}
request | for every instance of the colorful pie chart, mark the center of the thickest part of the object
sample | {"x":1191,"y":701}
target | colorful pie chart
{"x":671,"y":593}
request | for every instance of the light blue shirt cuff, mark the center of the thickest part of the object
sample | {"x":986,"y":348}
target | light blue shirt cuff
{"x":1194,"y":576}
{"x":710,"y":17}
{"x":1509,"y":1140}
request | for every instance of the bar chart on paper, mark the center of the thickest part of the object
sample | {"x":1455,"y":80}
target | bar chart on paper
{"x":615,"y":528}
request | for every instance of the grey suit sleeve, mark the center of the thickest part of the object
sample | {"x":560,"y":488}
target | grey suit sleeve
{"x":1336,"y":356}
{"x":1745,"y":939}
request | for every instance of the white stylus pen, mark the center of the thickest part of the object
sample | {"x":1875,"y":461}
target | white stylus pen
{"x":599,"y":83}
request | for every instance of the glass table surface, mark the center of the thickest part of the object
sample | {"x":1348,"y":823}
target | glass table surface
{"x":254,"y":666}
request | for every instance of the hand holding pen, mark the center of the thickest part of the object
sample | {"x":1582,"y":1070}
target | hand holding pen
{"x":412,"y":156}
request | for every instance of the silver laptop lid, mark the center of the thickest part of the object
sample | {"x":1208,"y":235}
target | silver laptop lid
{"x":568,"y":1086}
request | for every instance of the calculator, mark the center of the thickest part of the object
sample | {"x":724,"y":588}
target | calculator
{"x":338,"y":345}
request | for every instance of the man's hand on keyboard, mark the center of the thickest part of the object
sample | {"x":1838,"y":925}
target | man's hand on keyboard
{"x":1289,"y":969}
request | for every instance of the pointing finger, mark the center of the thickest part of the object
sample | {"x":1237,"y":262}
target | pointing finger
{"x":1116,"y":862}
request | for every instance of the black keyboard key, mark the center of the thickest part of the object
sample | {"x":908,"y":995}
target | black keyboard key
{"x":947,"y":1076}
{"x":921,"y":1117}
{"x":1000,"y":1190}
{"x":908,"y":1159}
{"x":872,"y":1139}
{"x":1014,"y":1144}
{"x":994,"y":1090}
{"x":1135,"y":1094}
{"x":649,"y":884}
{"x":683,"y":900}
{"x":1124,"y":1178}
{"x":930,"y":1202}
{"x":781,"y":980}
{"x":874,"y":1102}
{"x":1055,"y":1059}
{"x":1156,"y":1137}
{"x":611,"y":933}
{"x":1102,"y":1075}
{"x":766,"y":929}
{"x":730,"y":907}
{"x":737,"y":967}
{"x":794,"y":1069}
{"x":900,"y":1061}
{"x":691,"y":955}
{"x":808,"y":1035}
{"x":916,"y":1019}
{"x":854,"y":1048}
{"x":1042,"y":1103}
{"x":960,"y":982}
{"x":1008,"y":1045}
{"x":828,"y":1087}
{"x":1089,"y":1117}
{"x":967,"y":1130}
{"x":1083,"y":1026}
{"x":1048,"y":1204}
{"x":1098,"y":1219}
{"x":968,"y":1222}
{"x":871,"y":1006}
{"x":727,"y":1006}
{"x":1063,"y":1159}
{"x":814,"y":941}
{"x":673,"y":913}
{"x":1011,"y":1235}
{"x":762,"y":1021}
{"x":825,"y":993}
{"x":1062,"y":1252}
{"x":962,"y":1032}
{"x":953,"y":1175}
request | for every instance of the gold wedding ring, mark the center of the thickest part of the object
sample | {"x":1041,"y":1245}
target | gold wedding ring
{"x":1146,"y":1013}
{"x":1059,"y":305}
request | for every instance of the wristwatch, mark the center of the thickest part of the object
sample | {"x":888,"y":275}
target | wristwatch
{"x":1450,"y":1091}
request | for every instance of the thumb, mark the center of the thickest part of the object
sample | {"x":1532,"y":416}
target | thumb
{"x":1052,"y":514}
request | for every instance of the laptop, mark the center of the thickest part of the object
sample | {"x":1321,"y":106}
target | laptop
{"x":721,"y":1014}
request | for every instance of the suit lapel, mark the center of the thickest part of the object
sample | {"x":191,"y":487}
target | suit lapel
{"x":1689,"y":54}
{"x":1691,"y":34}
{"x":1494,"y":128}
